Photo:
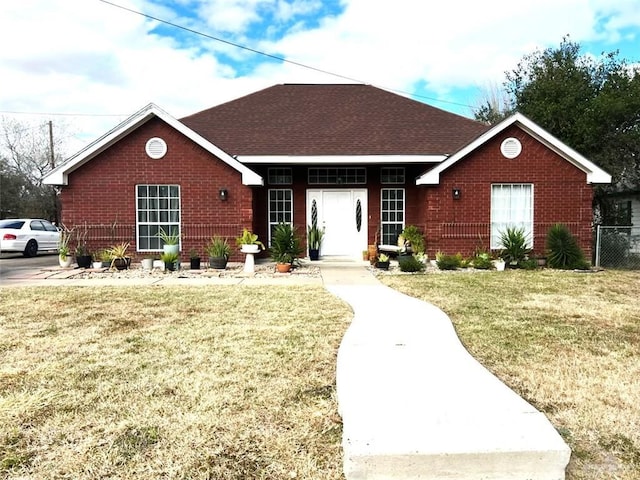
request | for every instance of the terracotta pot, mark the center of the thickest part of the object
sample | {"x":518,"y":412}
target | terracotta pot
{"x":283,"y":267}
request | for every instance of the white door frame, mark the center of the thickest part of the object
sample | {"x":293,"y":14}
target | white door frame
{"x":355,"y":241}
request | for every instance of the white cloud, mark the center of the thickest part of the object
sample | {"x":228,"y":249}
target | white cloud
{"x":89,"y":57}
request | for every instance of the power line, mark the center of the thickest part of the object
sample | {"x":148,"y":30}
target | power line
{"x":59,"y":114}
{"x":275,"y":57}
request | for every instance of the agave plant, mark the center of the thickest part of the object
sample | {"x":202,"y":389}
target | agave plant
{"x":563,"y":250}
{"x":514,"y":246}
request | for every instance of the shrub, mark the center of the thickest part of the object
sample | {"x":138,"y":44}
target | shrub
{"x":482,"y":261}
{"x":563,"y":250}
{"x":448,"y":262}
{"x":529,"y":264}
{"x":409,"y":263}
{"x":514,"y":244}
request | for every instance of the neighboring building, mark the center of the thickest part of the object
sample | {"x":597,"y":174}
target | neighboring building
{"x":366,"y":162}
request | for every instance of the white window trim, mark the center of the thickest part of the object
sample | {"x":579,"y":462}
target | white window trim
{"x":269,"y":222}
{"x":494,"y":241}
{"x":404,"y":209}
{"x":139,"y":223}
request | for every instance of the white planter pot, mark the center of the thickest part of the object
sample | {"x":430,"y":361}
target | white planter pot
{"x":147,"y":263}
{"x":96,"y":265}
{"x":66,"y":263}
{"x":250,"y":248}
{"x":499,"y":264}
{"x":159,"y":264}
{"x":171,"y":248}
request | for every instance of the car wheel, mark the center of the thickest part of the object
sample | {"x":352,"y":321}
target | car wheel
{"x":31,"y":250}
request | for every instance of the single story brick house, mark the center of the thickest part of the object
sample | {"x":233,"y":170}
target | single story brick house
{"x":364,"y":161}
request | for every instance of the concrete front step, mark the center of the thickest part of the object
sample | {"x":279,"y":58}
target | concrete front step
{"x":416,"y":405}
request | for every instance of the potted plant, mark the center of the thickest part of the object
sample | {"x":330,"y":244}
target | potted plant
{"x":119,"y":258}
{"x":248,"y":242}
{"x":105,"y":257}
{"x":218,"y":250}
{"x":383,"y":262}
{"x":285,"y":246}
{"x":64,"y":254}
{"x":170,"y":260}
{"x":83,"y":257}
{"x":314,"y":241}
{"x":194,"y":259}
{"x":412,"y":240}
{"x":170,"y":240}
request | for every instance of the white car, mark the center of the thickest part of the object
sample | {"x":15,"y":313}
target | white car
{"x":28,"y":235}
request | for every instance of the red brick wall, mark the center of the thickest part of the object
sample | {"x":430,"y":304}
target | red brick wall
{"x":560,"y":192}
{"x":103,"y":190}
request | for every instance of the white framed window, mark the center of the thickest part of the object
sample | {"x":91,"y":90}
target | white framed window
{"x":392,"y":175}
{"x":280,"y":176}
{"x":391,"y":214}
{"x":157,"y":206}
{"x":511,"y":207}
{"x":336,"y":176}
{"x":280,"y":208}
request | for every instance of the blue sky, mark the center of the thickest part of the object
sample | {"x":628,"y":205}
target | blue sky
{"x":92,"y":58}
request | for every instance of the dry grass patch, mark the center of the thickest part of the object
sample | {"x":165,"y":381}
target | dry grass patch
{"x":567,"y":342}
{"x":167,"y":382}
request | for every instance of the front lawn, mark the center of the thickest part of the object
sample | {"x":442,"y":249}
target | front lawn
{"x":567,"y":342}
{"x":173,"y":383}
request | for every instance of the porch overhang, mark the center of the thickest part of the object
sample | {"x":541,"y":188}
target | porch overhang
{"x":339,"y":159}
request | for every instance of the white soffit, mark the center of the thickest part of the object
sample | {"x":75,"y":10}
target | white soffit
{"x":339,"y":159}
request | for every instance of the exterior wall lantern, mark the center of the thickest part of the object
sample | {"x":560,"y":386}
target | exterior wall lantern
{"x":456,"y":193}
{"x":223,"y":194}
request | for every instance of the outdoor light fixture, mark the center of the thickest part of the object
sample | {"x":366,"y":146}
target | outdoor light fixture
{"x":224,"y":194}
{"x":456,"y":193}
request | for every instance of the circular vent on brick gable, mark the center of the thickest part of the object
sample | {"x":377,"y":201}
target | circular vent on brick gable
{"x":156,"y":148}
{"x":511,"y":147}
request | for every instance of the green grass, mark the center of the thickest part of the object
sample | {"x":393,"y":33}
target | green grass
{"x":567,"y":342}
{"x":175,"y":383}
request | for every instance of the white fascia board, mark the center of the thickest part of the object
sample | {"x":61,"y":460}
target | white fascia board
{"x":59,"y":175}
{"x":594,"y":173}
{"x":338,"y":159}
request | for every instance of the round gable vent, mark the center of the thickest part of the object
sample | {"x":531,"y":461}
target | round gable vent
{"x":156,"y":148}
{"x":511,"y":147}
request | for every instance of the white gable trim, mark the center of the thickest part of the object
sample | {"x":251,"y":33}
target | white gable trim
{"x":60,"y":174}
{"x":594,"y":173}
{"x":339,"y":159}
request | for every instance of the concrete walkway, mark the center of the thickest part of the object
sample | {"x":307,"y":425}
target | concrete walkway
{"x":416,"y":405}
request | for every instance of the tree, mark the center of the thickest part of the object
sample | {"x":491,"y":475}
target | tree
{"x":591,"y":104}
{"x":495,"y":106}
{"x":25,"y":157}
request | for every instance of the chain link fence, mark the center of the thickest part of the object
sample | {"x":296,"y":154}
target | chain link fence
{"x":618,"y":247}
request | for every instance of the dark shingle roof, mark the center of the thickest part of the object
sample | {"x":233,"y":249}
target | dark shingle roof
{"x":332,"y":120}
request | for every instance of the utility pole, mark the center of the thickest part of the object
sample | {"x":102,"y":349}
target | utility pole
{"x":52,"y":159}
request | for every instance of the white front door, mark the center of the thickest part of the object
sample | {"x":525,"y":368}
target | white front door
{"x":343,"y":215}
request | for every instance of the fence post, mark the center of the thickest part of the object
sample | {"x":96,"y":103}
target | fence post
{"x":598,"y":233}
